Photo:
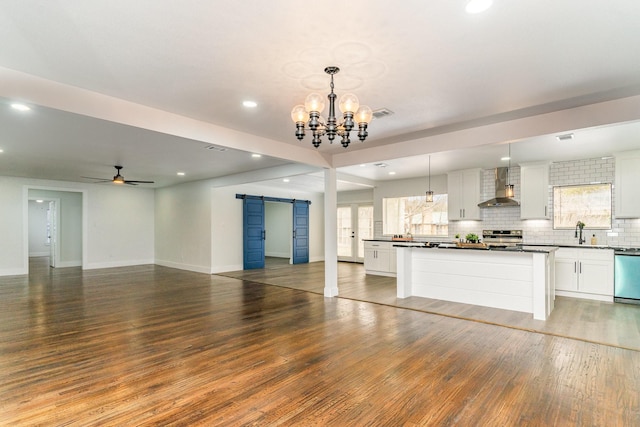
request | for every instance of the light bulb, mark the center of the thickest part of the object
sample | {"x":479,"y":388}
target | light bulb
{"x":349,"y":103}
{"x":364,"y":114}
{"x":509,"y":190}
{"x":299,"y":114}
{"x":314,"y":102}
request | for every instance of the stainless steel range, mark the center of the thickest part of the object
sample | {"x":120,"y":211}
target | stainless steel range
{"x":502,"y":238}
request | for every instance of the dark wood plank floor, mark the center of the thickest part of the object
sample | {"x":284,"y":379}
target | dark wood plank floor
{"x":591,"y":321}
{"x":151,"y":345}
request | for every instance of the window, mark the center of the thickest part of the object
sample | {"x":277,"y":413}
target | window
{"x":403,"y":215}
{"x":590,"y":204}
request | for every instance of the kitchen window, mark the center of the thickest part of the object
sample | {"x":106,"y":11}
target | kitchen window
{"x":590,"y":204}
{"x":404,"y":215}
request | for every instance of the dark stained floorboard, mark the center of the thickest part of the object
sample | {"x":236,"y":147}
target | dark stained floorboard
{"x":151,"y":345}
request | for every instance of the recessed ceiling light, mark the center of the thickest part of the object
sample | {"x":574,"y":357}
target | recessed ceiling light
{"x":1,"y":150}
{"x":477,"y":6}
{"x":39,"y":201}
{"x":285,"y":180}
{"x":392,"y":173}
{"x":505,"y":158}
{"x":250,"y":104}
{"x":256,"y":156}
{"x":363,"y":165}
{"x":20,"y":107}
{"x":180,"y":174}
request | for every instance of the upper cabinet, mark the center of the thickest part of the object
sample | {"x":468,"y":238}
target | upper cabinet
{"x":627,"y":184}
{"x":534,"y":197}
{"x":464,"y":190}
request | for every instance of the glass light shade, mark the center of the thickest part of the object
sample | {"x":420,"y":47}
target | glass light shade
{"x":364,"y":114}
{"x":314,"y":102}
{"x":349,"y":103}
{"x":429,"y":196}
{"x":509,"y":191}
{"x":299,"y":114}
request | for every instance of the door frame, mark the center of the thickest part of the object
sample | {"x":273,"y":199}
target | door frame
{"x":25,"y":220}
{"x":355,"y":232}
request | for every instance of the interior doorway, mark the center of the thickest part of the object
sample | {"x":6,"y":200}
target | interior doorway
{"x":355,"y":224}
{"x":55,"y":223}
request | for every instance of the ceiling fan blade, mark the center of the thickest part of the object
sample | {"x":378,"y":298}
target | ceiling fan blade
{"x":137,"y":182}
{"x":98,"y":179}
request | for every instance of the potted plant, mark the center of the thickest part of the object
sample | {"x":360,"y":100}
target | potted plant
{"x":472,"y":238}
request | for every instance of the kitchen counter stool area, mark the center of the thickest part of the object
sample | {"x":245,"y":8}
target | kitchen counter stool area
{"x":511,"y":280}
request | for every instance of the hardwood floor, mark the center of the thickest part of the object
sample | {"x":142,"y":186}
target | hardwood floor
{"x":591,"y":321}
{"x":151,"y":345}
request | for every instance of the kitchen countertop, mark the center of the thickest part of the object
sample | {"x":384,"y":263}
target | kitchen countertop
{"x":524,"y":248}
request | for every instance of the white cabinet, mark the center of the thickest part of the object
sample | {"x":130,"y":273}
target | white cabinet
{"x":534,"y":195}
{"x":464,"y":190}
{"x":627,"y":190}
{"x":584,"y":273}
{"x":377,"y":258}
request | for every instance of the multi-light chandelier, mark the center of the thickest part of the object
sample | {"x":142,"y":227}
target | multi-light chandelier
{"x":307,"y":116}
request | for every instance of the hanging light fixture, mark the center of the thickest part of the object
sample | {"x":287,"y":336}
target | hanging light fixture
{"x":508,"y":187}
{"x":308,"y":115}
{"x":429,"y":192}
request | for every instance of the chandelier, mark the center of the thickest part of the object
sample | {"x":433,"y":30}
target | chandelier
{"x":307,"y":116}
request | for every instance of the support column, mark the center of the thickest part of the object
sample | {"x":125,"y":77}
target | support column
{"x":330,"y":233}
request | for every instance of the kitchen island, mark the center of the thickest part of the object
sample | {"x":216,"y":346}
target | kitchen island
{"x":519,"y":279}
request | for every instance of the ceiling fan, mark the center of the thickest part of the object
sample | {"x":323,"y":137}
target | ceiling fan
{"x":118,"y":179}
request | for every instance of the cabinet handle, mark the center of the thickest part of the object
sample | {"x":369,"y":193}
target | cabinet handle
{"x":545,"y":211}
{"x":575,"y":266}
{"x":580,"y":263}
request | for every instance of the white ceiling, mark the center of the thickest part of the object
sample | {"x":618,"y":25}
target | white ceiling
{"x":439,"y":70}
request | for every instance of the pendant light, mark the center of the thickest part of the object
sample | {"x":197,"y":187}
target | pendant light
{"x":429,"y":192}
{"x":508,"y":187}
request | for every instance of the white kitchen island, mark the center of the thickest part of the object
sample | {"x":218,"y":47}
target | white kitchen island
{"x":519,"y":280}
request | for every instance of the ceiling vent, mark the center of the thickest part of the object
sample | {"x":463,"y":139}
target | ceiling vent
{"x":215,"y":148}
{"x":381,"y":165}
{"x":382,"y":112}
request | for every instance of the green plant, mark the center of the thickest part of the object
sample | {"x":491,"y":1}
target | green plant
{"x":457,"y":236}
{"x":472,"y":238}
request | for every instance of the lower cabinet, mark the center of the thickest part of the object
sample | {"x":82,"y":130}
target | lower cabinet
{"x":377,"y":258}
{"x":584,"y":273}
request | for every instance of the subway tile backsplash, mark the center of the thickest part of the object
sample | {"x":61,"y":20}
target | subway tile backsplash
{"x":541,"y":231}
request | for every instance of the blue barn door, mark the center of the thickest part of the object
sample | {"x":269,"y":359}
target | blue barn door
{"x":300,"y":232}
{"x":253,"y":233}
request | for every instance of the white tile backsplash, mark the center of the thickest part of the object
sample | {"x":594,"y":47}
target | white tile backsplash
{"x":541,"y":231}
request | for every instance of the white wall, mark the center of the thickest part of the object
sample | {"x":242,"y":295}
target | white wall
{"x":355,"y":196}
{"x":38,"y":245}
{"x":70,"y":222}
{"x":279,"y":229}
{"x":118,"y":229}
{"x":183,"y":226}
{"x":199,"y":226}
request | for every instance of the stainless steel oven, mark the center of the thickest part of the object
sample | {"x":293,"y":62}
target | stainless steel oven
{"x":502,"y":238}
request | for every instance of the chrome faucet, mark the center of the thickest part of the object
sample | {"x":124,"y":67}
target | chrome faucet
{"x":579,"y":227}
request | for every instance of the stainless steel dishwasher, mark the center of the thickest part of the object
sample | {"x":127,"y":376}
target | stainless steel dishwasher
{"x":627,"y":276}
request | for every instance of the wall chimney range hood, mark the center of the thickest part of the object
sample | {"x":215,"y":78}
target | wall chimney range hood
{"x":501,"y":199}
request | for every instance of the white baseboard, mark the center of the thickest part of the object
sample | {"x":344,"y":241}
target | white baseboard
{"x":112,"y":264}
{"x":316,"y":259}
{"x":38,"y":254}
{"x":595,"y":297}
{"x":183,"y":266}
{"x":63,"y":264}
{"x":13,"y":271}
{"x":224,"y":268}
{"x":278,"y":254}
